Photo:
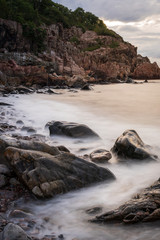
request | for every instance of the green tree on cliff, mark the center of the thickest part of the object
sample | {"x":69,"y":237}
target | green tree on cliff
{"x":32,"y":14}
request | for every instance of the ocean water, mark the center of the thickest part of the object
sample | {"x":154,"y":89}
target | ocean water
{"x":109,"y":110}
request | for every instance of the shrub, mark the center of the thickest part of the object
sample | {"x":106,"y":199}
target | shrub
{"x":75,"y":40}
{"x":114,"y":44}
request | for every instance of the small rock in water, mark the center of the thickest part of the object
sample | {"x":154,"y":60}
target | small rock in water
{"x":20,"y":122}
{"x":28,"y":129}
{"x":100,"y":156}
{"x":5,"y":104}
{"x":86,"y":87}
{"x":61,"y":236}
{"x":94,"y":210}
{"x":20,"y":214}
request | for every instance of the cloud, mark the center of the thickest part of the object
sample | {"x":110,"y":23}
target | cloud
{"x":122,"y":10}
{"x":137,"y":21}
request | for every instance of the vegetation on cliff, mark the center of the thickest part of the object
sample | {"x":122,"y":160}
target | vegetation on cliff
{"x":33,"y":14}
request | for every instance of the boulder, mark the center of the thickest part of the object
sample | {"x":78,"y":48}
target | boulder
{"x":14,"y":232}
{"x":130,"y":145}
{"x":77,"y":81}
{"x":144,"y":207}
{"x":47,"y":175}
{"x":70,"y":129}
{"x":100,"y":156}
{"x":147,"y":70}
{"x":6,"y":141}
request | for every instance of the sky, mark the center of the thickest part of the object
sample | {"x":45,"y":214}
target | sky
{"x":137,"y":21}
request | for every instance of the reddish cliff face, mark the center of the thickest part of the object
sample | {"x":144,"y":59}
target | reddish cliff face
{"x":147,"y":71}
{"x":69,"y":52}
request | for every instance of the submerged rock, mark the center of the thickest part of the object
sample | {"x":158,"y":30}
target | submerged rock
{"x":46,"y":175}
{"x":94,"y":210}
{"x":70,"y":129}
{"x":144,"y":207}
{"x":130,"y":145}
{"x":100,"y":156}
{"x":20,"y":122}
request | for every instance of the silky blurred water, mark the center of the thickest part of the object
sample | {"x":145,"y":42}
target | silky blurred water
{"x":108,"y":110}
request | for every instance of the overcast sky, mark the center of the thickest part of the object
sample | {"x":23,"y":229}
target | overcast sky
{"x":137,"y":21}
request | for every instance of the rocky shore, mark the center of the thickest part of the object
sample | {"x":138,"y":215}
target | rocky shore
{"x":72,"y":58}
{"x":30,"y":170}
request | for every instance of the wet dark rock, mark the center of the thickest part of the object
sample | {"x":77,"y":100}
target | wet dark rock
{"x":129,"y":80}
{"x":115,"y":80}
{"x":24,"y":90}
{"x":3,"y":180}
{"x":61,"y":236}
{"x":7,"y":127}
{"x":46,"y":175}
{"x":5,"y":104}
{"x":100,"y":156}
{"x":130,"y":145}
{"x":20,"y":214}
{"x":63,"y":149}
{"x":144,"y":207}
{"x":31,"y":130}
{"x":20,"y":122}
{"x":40,"y":91}
{"x":28,"y":129}
{"x":70,"y":129}
{"x":94,"y":210}
{"x":50,"y":91}
{"x":38,"y":137}
{"x":48,"y":237}
{"x":14,"y":232}
{"x":86,"y":87}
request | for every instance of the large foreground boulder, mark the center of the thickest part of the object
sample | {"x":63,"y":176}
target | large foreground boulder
{"x":144,"y":207}
{"x":6,"y":141}
{"x":70,"y":129}
{"x":130,"y":145}
{"x":47,"y":175}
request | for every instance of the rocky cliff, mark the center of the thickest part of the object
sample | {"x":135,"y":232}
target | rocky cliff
{"x":68,"y":52}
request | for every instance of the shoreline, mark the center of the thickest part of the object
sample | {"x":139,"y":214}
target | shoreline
{"x":50,"y":96}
